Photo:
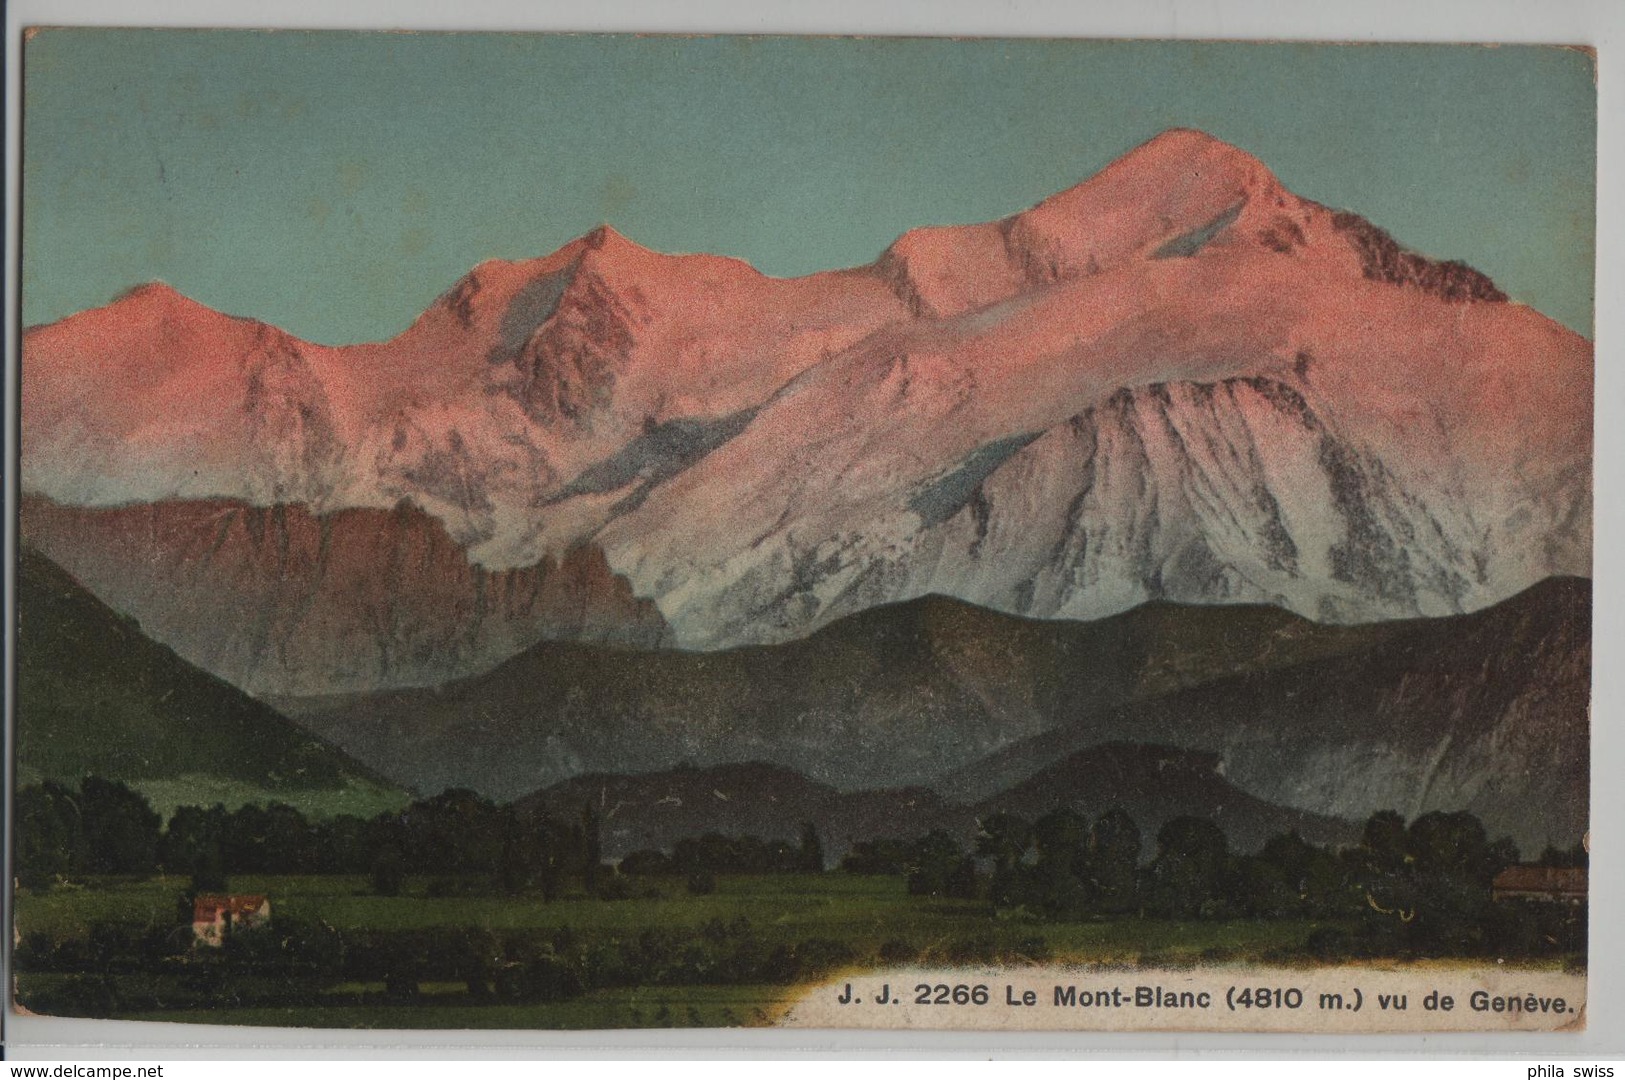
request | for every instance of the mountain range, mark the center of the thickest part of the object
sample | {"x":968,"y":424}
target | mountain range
{"x":1485,"y":712}
{"x":1175,"y":461}
{"x":1152,"y":784}
{"x":97,"y":696}
{"x":100,"y":698}
{"x":1175,"y":381}
{"x":280,"y":599}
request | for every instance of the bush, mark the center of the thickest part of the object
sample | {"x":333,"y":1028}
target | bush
{"x":646,"y":863}
{"x":616,"y":887}
{"x":544,"y":978}
{"x":743,"y":963}
{"x":604,"y":964}
{"x":648,"y":957}
{"x":702,"y":883}
{"x":36,"y":951}
{"x":888,"y":857}
{"x":388,"y":872}
{"x":718,"y":930}
{"x":442,"y":887}
{"x":818,"y":955}
{"x":695,"y":963}
{"x":780,"y":966}
{"x":312,"y":949}
{"x":111,"y":943}
{"x":77,"y":995}
{"x":401,"y":986}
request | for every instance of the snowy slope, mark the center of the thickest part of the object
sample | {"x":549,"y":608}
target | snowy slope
{"x":1176,"y":380}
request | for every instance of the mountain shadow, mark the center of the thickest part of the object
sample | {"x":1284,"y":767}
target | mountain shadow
{"x":96,"y":696}
{"x":1485,"y":712}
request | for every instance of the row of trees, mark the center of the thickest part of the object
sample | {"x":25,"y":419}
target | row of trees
{"x":714,"y":853}
{"x":1427,"y":881}
{"x":103,"y":827}
{"x":1424,"y":887}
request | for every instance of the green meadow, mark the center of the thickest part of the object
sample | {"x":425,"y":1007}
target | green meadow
{"x":822,"y":923}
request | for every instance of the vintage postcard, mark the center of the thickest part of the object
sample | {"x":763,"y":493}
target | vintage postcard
{"x":527,"y":531}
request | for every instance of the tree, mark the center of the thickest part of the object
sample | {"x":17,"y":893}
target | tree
{"x":1275,"y":883}
{"x":1453,"y":864}
{"x":49,"y":836}
{"x":194,"y":839}
{"x":1189,"y":867}
{"x":522,"y":849}
{"x":810,"y":852}
{"x":556,"y":854}
{"x":882,"y":856}
{"x":243,"y":844}
{"x":290,"y":841}
{"x":592,"y":847}
{"x":456,"y":832}
{"x":938,"y":867}
{"x":342,"y":845}
{"x":1006,"y":838}
{"x":1291,"y":876}
{"x":1061,"y":836}
{"x":388,"y":872}
{"x":1575,"y":856}
{"x":1114,"y":858}
{"x":647,"y":862}
{"x":120,"y":828}
{"x":253,"y":839}
{"x":1454,"y":844}
{"x":1383,"y":839}
{"x":208,"y":873}
{"x":1260,"y":889}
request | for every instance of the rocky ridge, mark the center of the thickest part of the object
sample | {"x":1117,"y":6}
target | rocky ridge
{"x":1176,"y":380}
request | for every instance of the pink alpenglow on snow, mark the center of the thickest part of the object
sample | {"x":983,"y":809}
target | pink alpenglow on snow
{"x":1175,"y":380}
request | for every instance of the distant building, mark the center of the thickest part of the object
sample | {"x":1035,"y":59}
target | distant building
{"x":1553,"y":884}
{"x":214,"y":915}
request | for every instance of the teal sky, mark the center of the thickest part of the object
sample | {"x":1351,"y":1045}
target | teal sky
{"x":335,"y":183}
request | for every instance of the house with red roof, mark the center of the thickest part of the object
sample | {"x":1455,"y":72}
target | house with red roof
{"x":215,"y":916}
{"x":1553,"y":884}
